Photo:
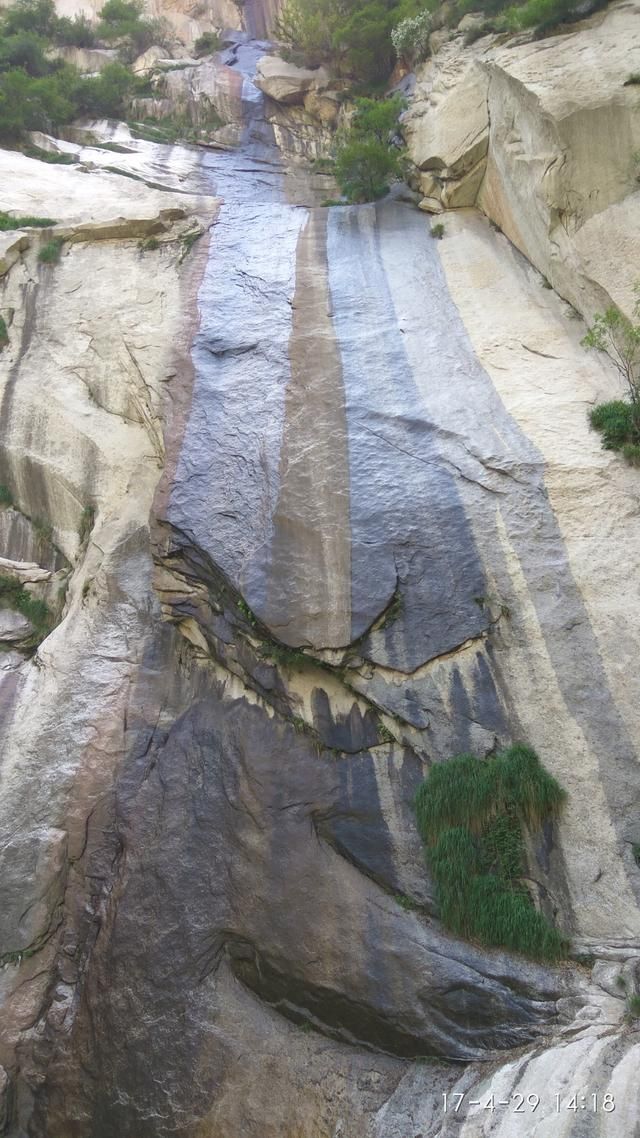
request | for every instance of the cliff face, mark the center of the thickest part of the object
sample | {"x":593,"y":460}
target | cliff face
{"x":324,"y":509}
{"x":543,"y":136}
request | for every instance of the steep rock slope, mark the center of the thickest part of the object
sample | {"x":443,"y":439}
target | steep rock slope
{"x":349,"y":520}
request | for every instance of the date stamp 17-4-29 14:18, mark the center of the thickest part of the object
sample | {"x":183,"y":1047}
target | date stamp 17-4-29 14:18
{"x":527,"y":1104}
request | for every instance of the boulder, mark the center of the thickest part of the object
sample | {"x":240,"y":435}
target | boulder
{"x":285,"y":83}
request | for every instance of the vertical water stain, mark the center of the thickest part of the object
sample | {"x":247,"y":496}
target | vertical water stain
{"x":310,"y":569}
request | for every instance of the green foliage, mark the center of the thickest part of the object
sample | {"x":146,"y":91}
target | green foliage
{"x":122,"y":21}
{"x":631,"y":452}
{"x":353,"y":39}
{"x":50,"y":253}
{"x":25,"y":50}
{"x":619,"y":336}
{"x":633,"y":1007}
{"x":39,"y":93}
{"x":6,"y":497}
{"x":635,"y":849}
{"x":366,"y":160}
{"x":247,"y":612}
{"x":31,"y":104}
{"x":364,"y":169}
{"x":4,"y":340}
{"x":619,"y":424}
{"x":87,"y":519}
{"x":35,"y":16}
{"x":53,"y":157}
{"x":8,"y":222}
{"x":206,"y":44}
{"x":105,"y":95}
{"x":471,"y":814}
{"x":437,"y":231}
{"x":384,"y":734}
{"x":632,"y":80}
{"x":614,"y":333}
{"x":410,"y":37}
{"x":78,"y":32}
{"x":14,"y":596}
{"x":149,"y":245}
{"x":377,"y":118}
{"x":284,"y":655}
{"x":407,"y":903}
{"x":189,"y":240}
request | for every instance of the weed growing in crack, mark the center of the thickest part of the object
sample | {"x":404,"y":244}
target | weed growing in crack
{"x":50,"y":253}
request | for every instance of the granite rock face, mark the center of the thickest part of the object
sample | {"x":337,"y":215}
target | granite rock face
{"x":347,"y":519}
{"x":542,"y":136}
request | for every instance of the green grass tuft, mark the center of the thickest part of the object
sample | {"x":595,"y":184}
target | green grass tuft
{"x":471,"y":814}
{"x":4,"y":333}
{"x":6,"y":497}
{"x":50,"y":253}
{"x":53,"y":157}
{"x":14,"y":596}
{"x":633,"y":1007}
{"x":87,"y":519}
{"x":7,"y":222}
{"x":619,"y":424}
{"x":437,"y":231}
{"x":631,"y":451}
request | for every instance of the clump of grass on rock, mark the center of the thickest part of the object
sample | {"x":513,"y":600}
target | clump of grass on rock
{"x":50,"y":253}
{"x":618,"y":421}
{"x":471,"y":815}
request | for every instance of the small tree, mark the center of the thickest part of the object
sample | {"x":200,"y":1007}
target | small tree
{"x":614,"y":333}
{"x":619,"y":336}
{"x":364,"y":168}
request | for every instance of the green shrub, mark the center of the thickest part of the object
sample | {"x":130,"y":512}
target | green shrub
{"x":122,"y":20}
{"x":78,"y":32}
{"x":53,"y":157}
{"x":206,"y":44}
{"x":437,"y":231}
{"x":105,"y":95}
{"x":50,"y":253}
{"x":4,"y":340}
{"x":632,"y":79}
{"x":6,"y":497}
{"x":149,"y":245}
{"x":15,"y":597}
{"x":87,"y":519}
{"x":32,"y":104}
{"x":25,"y":50}
{"x":410,"y":38}
{"x":354,"y":40}
{"x":633,"y":1007}
{"x":36,"y":16}
{"x":618,"y":422}
{"x":471,"y":814}
{"x":7,"y":222}
{"x":364,"y":168}
{"x":631,"y":451}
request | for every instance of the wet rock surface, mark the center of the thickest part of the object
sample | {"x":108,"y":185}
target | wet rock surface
{"x":343,"y":528}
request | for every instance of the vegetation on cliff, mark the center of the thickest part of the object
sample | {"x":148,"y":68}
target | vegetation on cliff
{"x":619,"y":420}
{"x":471,"y":815}
{"x":367,"y":158}
{"x":363,"y":39}
{"x":39,"y":91}
{"x":14,"y":596}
